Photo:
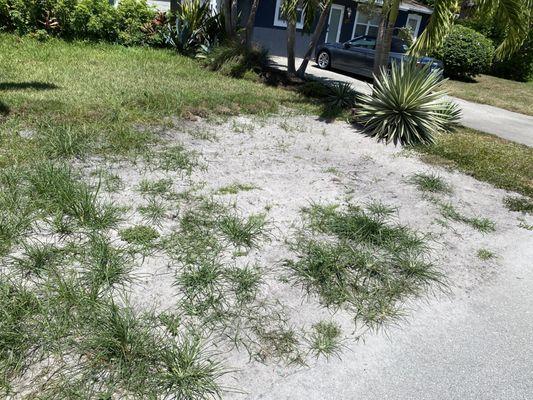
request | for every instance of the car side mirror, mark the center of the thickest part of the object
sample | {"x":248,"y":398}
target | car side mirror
{"x":346,"y":45}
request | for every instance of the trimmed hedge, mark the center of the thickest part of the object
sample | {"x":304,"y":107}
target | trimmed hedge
{"x":465,"y":53}
{"x":131,"y":22}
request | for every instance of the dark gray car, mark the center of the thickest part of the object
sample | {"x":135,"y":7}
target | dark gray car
{"x":357,"y":55}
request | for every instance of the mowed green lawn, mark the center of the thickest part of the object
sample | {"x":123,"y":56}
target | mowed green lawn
{"x":103,"y":90}
{"x":504,"y":164}
{"x":502,"y":93}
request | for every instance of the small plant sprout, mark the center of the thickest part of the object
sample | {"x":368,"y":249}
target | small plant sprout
{"x":235,"y":188}
{"x":427,"y":182}
{"x":483,"y":225}
{"x":325,"y":339}
{"x":161,"y":187}
{"x":519,"y":204}
{"x":485,"y":254}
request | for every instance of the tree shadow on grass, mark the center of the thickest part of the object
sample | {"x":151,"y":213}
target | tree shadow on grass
{"x":4,"y":86}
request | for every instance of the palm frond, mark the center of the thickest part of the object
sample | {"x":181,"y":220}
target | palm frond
{"x":439,"y":24}
{"x":516,"y":16}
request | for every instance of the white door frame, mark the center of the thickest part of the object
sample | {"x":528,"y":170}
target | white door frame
{"x":418,"y":22}
{"x":338,"y":7}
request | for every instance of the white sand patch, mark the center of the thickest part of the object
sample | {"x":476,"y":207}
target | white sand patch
{"x":293,"y":162}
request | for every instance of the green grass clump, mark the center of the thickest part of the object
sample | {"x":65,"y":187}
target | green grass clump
{"x":58,"y":190}
{"x":370,"y":226}
{"x":520,"y":204}
{"x":482,"y":224}
{"x":326,"y":339}
{"x":154,"y":211}
{"x":64,"y":141}
{"x":140,"y":235}
{"x":161,"y":187}
{"x":368,"y":266}
{"x":236,"y":188}
{"x":485,"y":254}
{"x":245,"y":283}
{"x":106,"y":266}
{"x":18,"y":329}
{"x":37,"y":258}
{"x":504,"y":164}
{"x":430,"y":183}
{"x":176,"y":158}
{"x":243,"y":232}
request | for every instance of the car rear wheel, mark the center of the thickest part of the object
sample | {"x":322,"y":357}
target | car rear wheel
{"x":323,"y":60}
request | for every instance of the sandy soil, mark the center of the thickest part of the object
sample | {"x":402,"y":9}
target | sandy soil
{"x":293,"y":161}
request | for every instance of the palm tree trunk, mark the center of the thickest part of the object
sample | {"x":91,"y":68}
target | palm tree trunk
{"x":291,"y":39}
{"x":250,"y":25}
{"x":384,"y":39}
{"x":314,"y":40}
{"x":234,"y":14}
{"x":226,"y":8}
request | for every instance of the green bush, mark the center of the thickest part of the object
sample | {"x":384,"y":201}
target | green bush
{"x":24,"y":16}
{"x":133,"y":17}
{"x":235,"y":60}
{"x":95,"y":20}
{"x":520,"y":65}
{"x":465,"y":53}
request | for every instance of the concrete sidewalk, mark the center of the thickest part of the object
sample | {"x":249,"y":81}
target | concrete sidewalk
{"x":496,"y":121}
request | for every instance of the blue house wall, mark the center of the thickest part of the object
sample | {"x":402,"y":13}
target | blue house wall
{"x":274,"y":38}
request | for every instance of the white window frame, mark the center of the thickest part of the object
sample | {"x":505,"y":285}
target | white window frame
{"x":357,"y":13}
{"x":418,"y":18}
{"x":281,"y":22}
{"x":339,"y":28}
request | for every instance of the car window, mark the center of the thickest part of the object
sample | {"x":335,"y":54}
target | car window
{"x":363,"y":42}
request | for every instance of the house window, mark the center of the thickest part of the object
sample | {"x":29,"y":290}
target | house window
{"x":280,"y":21}
{"x":413,"y":23}
{"x":366,"y":24}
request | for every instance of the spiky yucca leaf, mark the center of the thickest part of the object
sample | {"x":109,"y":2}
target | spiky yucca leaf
{"x":407,"y":106}
{"x":341,"y":94}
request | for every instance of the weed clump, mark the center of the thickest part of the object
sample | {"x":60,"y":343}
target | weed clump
{"x":367,"y":264}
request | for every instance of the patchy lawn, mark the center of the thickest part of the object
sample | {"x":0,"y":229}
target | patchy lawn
{"x":504,"y":164}
{"x":98,"y":92}
{"x":502,"y":93}
{"x":151,"y":249}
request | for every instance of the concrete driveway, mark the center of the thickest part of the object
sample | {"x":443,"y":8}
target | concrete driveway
{"x":496,"y":121}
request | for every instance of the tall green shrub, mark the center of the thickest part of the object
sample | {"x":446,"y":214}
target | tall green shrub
{"x":95,"y":20}
{"x":520,"y":65}
{"x":133,"y":15}
{"x":465,"y":53}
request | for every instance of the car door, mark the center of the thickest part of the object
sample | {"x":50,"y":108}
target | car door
{"x":359,"y":55}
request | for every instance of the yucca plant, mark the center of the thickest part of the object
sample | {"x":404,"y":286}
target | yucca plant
{"x":196,"y":25}
{"x":407,"y":106}
{"x":341,"y":94}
